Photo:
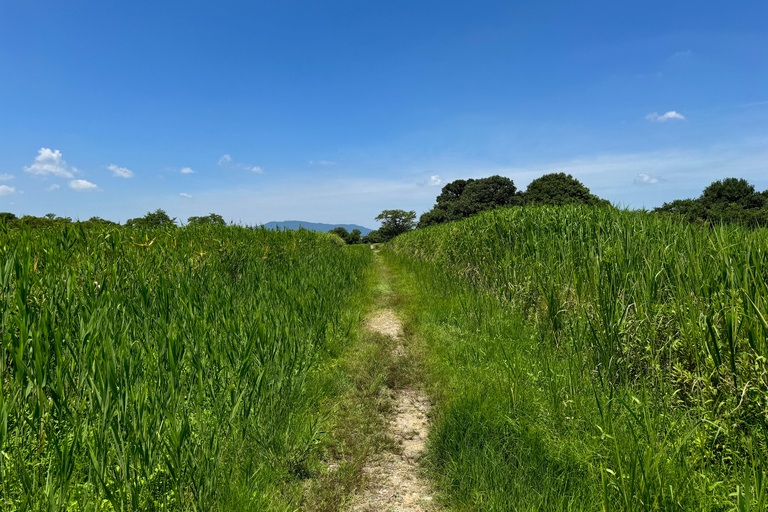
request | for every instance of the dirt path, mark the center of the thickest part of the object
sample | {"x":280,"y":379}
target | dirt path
{"x":395,"y":482}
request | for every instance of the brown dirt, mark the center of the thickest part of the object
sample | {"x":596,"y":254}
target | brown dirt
{"x":395,"y":481}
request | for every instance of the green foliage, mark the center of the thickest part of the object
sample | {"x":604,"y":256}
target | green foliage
{"x":395,"y":222}
{"x":211,"y":218}
{"x":155,"y":219}
{"x":166,"y":369}
{"x":462,"y":198}
{"x":374,"y":237}
{"x":559,"y":188}
{"x":594,"y":359}
{"x":349,"y":238}
{"x":729,"y":201}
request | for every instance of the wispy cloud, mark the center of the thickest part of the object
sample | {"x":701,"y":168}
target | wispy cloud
{"x":50,"y":162}
{"x":187,"y":170}
{"x":53,"y":187}
{"x":435,"y":181}
{"x":321,"y":162}
{"x":683,"y":54}
{"x":82,"y":185}
{"x":648,"y":179}
{"x":662,"y":118}
{"x":184,"y":194}
{"x":226,"y":161}
{"x":6,"y":190}
{"x":120,"y":172}
{"x":6,"y":177}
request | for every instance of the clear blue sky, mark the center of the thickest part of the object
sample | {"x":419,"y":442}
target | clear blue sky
{"x":333,"y":111}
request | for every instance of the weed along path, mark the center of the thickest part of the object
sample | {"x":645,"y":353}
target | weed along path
{"x":395,"y":480}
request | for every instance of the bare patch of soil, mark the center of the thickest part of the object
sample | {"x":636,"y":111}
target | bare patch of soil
{"x":395,"y":481}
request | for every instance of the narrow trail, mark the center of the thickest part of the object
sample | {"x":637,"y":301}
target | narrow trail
{"x":396,"y":483}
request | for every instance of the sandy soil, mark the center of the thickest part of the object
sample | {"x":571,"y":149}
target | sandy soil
{"x":396,"y":484}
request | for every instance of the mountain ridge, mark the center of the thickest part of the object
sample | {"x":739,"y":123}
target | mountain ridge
{"x":314,"y":226}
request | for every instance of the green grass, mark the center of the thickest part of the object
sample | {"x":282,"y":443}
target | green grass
{"x":593,"y":359}
{"x":180,"y":369}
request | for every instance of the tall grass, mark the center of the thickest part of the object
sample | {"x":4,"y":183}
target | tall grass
{"x":164,"y":370}
{"x":623,"y":358}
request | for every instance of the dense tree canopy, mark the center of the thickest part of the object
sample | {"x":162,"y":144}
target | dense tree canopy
{"x":559,"y":188}
{"x":731,"y":201}
{"x":462,"y":198}
{"x":349,"y":238}
{"x":211,"y":218}
{"x":154,"y":219}
{"x":393,"y":223}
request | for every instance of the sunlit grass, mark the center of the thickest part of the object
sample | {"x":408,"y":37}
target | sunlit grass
{"x":166,"y":370}
{"x":590,"y":358}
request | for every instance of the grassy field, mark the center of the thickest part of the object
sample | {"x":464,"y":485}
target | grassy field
{"x":179,"y":369}
{"x":593,"y":359}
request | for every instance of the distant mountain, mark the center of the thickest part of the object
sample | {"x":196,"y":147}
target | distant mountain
{"x":314,"y":226}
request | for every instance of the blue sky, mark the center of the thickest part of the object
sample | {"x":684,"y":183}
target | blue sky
{"x":333,"y":111}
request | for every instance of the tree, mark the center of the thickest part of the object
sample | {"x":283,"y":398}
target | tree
{"x":559,"y":188}
{"x":373,"y":237}
{"x":461,"y":198}
{"x":729,"y":201}
{"x":354,"y":237}
{"x":395,"y":222}
{"x":211,"y":218}
{"x":155,"y":219}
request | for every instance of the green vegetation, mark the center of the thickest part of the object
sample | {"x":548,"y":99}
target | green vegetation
{"x":730,"y":201}
{"x":349,"y":238}
{"x":559,"y":188}
{"x":155,"y":219}
{"x":593,"y":359}
{"x":211,"y":218}
{"x":169,"y":369}
{"x":462,"y":198}
{"x":393,"y":223}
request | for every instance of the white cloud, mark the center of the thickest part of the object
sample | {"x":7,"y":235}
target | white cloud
{"x":82,"y":185}
{"x":321,"y":162}
{"x":184,"y":194}
{"x":120,"y":172}
{"x":683,"y":54}
{"x":648,"y":179}
{"x":435,"y":181}
{"x":671,"y":115}
{"x":53,"y":187}
{"x":187,"y":170}
{"x":5,"y":190}
{"x":6,"y":177}
{"x":228,"y":162}
{"x":50,"y":162}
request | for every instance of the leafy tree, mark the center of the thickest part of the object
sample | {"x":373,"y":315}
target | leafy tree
{"x":7,"y":217}
{"x":354,"y":236}
{"x":155,"y":219}
{"x":342,"y":232}
{"x":374,"y":237}
{"x":462,"y":198}
{"x":211,"y":218}
{"x":730,"y":201}
{"x":559,"y":188}
{"x":395,"y":222}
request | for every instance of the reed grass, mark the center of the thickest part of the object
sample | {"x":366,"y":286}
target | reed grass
{"x":595,"y":359}
{"x":173,"y":369}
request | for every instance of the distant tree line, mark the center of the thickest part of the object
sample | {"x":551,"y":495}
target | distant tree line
{"x":155,"y":219}
{"x":462,"y":198}
{"x":349,"y":238}
{"x":728,"y":201}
